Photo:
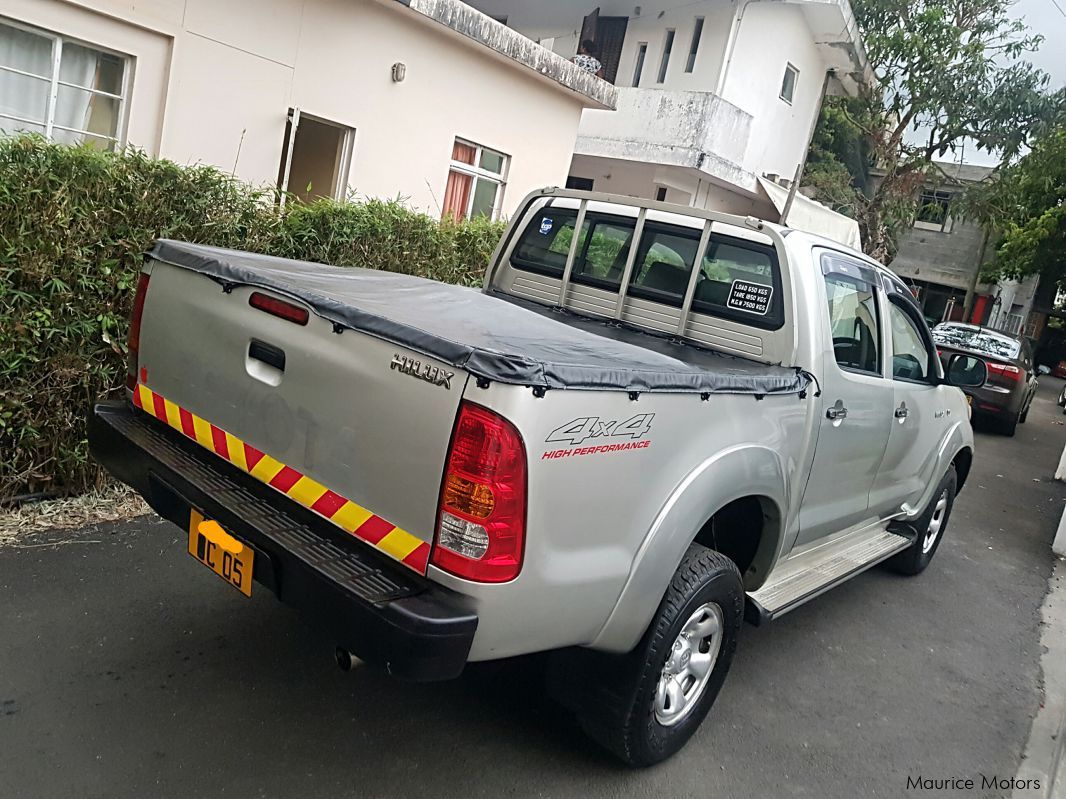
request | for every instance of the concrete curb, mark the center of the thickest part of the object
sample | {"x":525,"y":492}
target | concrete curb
{"x":1045,"y":754}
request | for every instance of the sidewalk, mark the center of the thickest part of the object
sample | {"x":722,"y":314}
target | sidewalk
{"x":1045,"y":754}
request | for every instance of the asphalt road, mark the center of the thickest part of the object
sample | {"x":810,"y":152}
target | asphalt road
{"x":128,"y":670}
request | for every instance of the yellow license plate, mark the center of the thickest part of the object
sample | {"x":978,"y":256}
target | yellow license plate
{"x":220,"y":552}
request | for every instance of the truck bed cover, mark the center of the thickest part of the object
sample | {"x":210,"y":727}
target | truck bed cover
{"x":490,"y":336}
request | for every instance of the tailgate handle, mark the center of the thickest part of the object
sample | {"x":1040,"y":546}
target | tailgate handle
{"x":267,"y":353}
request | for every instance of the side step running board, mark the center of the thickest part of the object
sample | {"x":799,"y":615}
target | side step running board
{"x":804,"y":577}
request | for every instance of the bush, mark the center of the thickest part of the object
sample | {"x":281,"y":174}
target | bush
{"x":74,"y":224}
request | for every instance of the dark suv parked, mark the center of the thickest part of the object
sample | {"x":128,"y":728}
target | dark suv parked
{"x":1008,"y":392}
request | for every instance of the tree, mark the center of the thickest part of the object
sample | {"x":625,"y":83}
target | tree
{"x":947,"y":72}
{"x":1027,"y":204}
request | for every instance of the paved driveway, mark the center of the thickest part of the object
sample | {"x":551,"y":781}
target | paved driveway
{"x":127,"y":670}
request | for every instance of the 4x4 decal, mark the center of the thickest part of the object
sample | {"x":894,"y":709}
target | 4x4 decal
{"x":605,"y":435}
{"x":580,"y":430}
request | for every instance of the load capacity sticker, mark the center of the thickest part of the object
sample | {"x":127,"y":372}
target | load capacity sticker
{"x":750,"y":297}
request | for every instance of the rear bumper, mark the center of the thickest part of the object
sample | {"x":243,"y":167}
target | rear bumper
{"x":381,"y":612}
{"x":996,"y":401}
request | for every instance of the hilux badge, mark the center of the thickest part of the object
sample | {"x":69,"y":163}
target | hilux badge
{"x":423,"y":371}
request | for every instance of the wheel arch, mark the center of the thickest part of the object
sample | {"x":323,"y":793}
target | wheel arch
{"x":744,"y":486}
{"x":962,"y":462}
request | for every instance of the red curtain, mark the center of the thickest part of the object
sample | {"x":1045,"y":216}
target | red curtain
{"x":457,"y":195}
{"x":463,"y":153}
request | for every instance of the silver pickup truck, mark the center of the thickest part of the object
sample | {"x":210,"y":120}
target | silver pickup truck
{"x":651,"y":422}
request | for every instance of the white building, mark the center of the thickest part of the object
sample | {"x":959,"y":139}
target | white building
{"x":714,"y":96}
{"x":424,"y":99}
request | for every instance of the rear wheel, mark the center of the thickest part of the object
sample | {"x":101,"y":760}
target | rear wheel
{"x":930,"y":526}
{"x":1008,"y":425}
{"x":1025,"y":411}
{"x":644,"y":706}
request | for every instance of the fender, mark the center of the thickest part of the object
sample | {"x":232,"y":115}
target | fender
{"x":741,"y":471}
{"x":957,"y":438}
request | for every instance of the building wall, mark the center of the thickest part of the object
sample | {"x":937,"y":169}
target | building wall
{"x":213,"y":82}
{"x":772,"y":35}
{"x":649,"y":27}
{"x":950,"y":259}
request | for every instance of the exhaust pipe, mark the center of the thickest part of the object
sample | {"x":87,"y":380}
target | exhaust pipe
{"x":346,"y":660}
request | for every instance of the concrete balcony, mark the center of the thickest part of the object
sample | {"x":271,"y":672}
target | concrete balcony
{"x":698,"y":130}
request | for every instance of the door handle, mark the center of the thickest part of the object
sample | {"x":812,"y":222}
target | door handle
{"x":837,"y":413}
{"x":902,"y":412}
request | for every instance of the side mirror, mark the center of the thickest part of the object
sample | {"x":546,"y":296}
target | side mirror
{"x":965,"y":371}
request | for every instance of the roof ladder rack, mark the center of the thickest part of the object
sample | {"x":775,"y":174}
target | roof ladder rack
{"x":694,"y":278}
{"x":571,"y":256}
{"x":631,"y":260}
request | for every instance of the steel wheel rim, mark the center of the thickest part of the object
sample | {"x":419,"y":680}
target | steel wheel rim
{"x":688,"y":668}
{"x":935,"y":523}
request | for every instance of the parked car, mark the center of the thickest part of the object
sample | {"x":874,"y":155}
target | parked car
{"x":1012,"y":378}
{"x":629,"y":440}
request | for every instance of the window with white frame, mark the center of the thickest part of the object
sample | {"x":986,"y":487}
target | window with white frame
{"x":65,"y":90}
{"x":788,"y":83}
{"x":476,"y":180}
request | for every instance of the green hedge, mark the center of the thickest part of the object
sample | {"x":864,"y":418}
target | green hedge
{"x":74,"y":224}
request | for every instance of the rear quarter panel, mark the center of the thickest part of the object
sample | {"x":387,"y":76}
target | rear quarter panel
{"x":603,"y":523}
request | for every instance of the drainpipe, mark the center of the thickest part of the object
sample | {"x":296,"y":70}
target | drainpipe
{"x":734,"y":34}
{"x":829,"y":75}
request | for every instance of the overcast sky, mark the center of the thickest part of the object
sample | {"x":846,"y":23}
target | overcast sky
{"x":1045,"y":18}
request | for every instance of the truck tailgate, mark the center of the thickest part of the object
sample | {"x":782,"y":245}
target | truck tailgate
{"x":333,"y":410}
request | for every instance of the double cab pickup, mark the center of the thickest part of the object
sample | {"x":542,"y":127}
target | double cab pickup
{"x":649,"y":424}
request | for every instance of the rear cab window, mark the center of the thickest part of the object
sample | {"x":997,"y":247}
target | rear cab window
{"x":738,"y":279}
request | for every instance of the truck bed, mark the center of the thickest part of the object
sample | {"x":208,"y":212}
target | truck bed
{"x":492,"y":336}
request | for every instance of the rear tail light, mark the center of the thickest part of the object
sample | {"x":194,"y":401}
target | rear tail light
{"x":288,"y":311}
{"x":1003,"y":373}
{"x":133,"y":343}
{"x":482,"y":518}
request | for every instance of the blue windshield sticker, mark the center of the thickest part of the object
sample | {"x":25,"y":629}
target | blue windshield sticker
{"x":546,"y":225}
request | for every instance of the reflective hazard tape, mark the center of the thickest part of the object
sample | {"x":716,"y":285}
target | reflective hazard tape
{"x":349,"y":516}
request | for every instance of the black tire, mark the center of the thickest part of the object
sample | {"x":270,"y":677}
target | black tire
{"x":1008,"y":425}
{"x":1025,"y":411}
{"x":917,"y":556}
{"x":619,"y":712}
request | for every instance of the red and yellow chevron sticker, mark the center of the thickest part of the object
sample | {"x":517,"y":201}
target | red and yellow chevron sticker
{"x":354,"y":519}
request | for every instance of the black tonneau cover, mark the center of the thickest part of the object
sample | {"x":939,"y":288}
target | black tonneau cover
{"x":489,"y":335}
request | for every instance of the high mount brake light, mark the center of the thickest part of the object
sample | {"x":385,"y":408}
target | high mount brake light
{"x":482,"y":515}
{"x":288,"y":311}
{"x":133,"y":342}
